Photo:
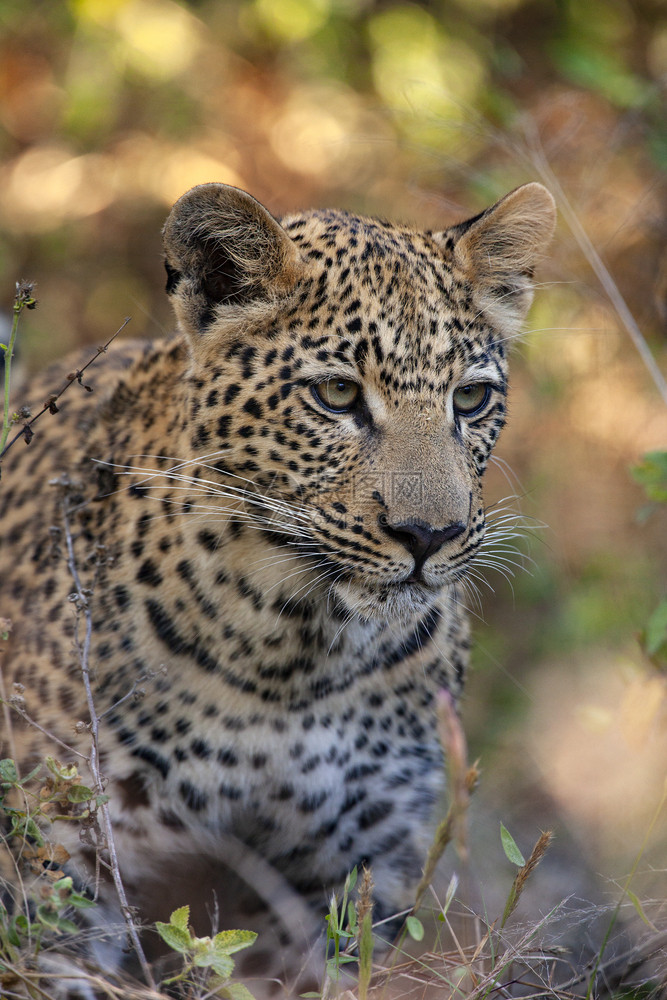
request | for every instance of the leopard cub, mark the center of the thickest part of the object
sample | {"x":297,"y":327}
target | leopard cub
{"x":282,"y":503}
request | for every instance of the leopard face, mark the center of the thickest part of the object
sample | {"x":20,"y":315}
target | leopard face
{"x":365,"y":380}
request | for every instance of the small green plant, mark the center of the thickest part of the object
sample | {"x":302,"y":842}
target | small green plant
{"x":210,"y":955}
{"x":341,"y":923}
{"x":29,"y":805}
{"x":651,"y":473}
{"x":56,"y":899}
{"x":349,"y":937}
{"x":653,"y":637}
{"x":23,"y":934}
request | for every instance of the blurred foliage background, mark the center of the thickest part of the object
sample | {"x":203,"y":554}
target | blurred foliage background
{"x":422,"y":112}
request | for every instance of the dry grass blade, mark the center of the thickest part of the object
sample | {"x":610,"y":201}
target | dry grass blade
{"x":596,"y":263}
{"x":462,"y":782}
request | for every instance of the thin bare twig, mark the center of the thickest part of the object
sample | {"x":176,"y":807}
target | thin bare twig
{"x":50,"y":404}
{"x":15,"y":707}
{"x":83,"y":607}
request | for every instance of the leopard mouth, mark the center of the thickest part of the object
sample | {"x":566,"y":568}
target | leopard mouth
{"x":398,"y":601}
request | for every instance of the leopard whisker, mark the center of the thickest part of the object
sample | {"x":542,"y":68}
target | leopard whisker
{"x":278,"y":559}
{"x":472,"y":575}
{"x":235,"y":493}
{"x":249,"y":520}
{"x":206,"y":486}
{"x":310,"y":584}
{"x":473,"y":592}
{"x":506,"y":573}
{"x":339,"y":631}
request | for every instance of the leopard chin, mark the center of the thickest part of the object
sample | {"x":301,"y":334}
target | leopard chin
{"x":402,"y":604}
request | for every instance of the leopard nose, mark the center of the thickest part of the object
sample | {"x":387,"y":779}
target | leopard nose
{"x":420,"y":539}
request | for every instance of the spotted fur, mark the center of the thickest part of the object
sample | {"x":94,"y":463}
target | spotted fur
{"x":280,"y":579}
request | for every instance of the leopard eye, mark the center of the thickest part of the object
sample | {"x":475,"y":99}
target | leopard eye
{"x":337,"y":394}
{"x":471,"y":399}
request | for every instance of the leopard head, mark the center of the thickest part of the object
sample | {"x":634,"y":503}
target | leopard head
{"x":348,"y":379}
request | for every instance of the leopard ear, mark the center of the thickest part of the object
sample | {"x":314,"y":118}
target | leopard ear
{"x":498,"y":250}
{"x":223,"y":249}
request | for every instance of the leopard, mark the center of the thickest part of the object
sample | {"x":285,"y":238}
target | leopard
{"x":254,"y":538}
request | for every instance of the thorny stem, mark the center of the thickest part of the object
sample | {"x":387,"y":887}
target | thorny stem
{"x":84,"y":653}
{"x":22,"y":300}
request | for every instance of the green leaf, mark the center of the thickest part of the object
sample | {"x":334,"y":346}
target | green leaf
{"x":234,"y":940}
{"x":656,"y":629}
{"x":63,"y":885}
{"x":223,"y":965}
{"x":22,"y":826}
{"x":207,"y":956}
{"x":177,"y":939}
{"x":180,"y":917}
{"x":333,"y":970}
{"x":509,"y":847}
{"x":651,"y":473}
{"x":638,"y":907}
{"x":13,"y":935}
{"x":35,"y":771}
{"x":8,"y":772}
{"x":79,"y":793}
{"x":237,"y":991}
{"x":47,"y":916}
{"x":81,"y":902}
{"x":351,"y":880}
{"x":67,"y":927}
{"x":415,"y":928}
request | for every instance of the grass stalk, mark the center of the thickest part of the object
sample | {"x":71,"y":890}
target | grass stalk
{"x":598,"y":266}
{"x":524,"y":873}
